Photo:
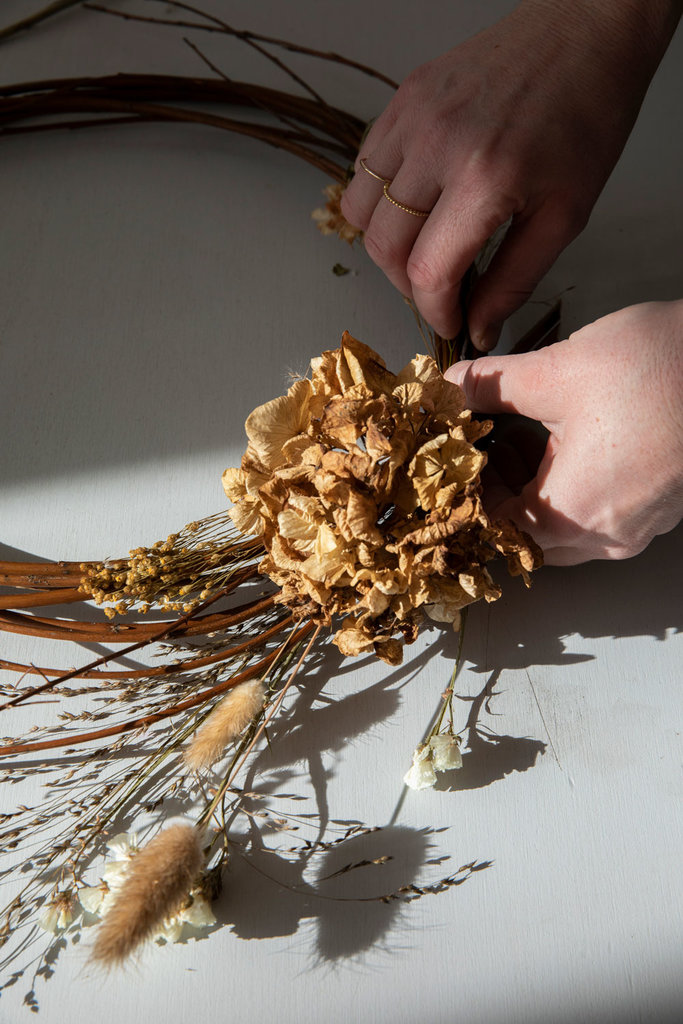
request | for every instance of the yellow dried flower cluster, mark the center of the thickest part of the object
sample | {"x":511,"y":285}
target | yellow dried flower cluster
{"x":363,"y":486}
{"x":330,"y":219}
{"x":175,"y":574}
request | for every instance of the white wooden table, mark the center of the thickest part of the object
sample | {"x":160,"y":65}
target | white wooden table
{"x":156,"y":283}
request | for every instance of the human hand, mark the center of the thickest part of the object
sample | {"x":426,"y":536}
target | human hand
{"x":524,"y":121}
{"x":611,"y":477}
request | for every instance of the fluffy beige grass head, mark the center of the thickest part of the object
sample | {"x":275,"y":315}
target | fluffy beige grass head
{"x":228,"y":720}
{"x":157,"y":884}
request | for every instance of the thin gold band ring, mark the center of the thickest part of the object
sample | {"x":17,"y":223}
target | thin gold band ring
{"x":406,"y":209}
{"x":385,"y":181}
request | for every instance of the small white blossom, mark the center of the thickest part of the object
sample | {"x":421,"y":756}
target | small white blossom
{"x":123,"y":846}
{"x":440,"y":754}
{"x":96,"y":899}
{"x":445,"y":752}
{"x":58,"y":914}
{"x":197,"y":915}
{"x":421,"y":774}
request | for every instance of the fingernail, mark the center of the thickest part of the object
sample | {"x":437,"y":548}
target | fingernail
{"x":487,"y":339}
{"x":456,"y":373}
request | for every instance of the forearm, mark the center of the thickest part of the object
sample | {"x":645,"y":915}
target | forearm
{"x":635,"y":33}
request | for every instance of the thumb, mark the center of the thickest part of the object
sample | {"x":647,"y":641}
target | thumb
{"x":530,"y":384}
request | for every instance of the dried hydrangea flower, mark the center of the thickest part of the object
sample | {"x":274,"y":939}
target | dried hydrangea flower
{"x":330,"y":219}
{"x":364,"y":487}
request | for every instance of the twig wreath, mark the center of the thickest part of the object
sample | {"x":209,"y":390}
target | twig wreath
{"x":356,"y":512}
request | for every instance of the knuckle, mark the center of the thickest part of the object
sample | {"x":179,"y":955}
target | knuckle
{"x":433,"y":136}
{"x":383,"y":251}
{"x":427,"y":275}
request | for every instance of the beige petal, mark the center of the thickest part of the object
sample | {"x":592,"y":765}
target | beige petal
{"x":302,"y":448}
{"x":246,"y":515}
{"x":352,"y":641}
{"x":271,"y":425}
{"x":234,"y":484}
{"x":298,"y":531}
{"x":359,"y":364}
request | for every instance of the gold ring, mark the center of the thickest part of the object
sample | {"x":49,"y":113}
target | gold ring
{"x":385,"y":181}
{"x":406,"y":209}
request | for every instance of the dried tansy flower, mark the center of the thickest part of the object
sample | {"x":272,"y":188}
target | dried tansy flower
{"x":364,"y":487}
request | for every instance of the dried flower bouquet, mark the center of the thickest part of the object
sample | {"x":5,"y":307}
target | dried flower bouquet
{"x":356,"y":512}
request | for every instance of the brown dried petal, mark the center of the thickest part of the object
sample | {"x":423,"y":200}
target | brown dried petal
{"x":479,"y":584}
{"x":359,"y":364}
{"x":352,"y":641}
{"x":441,"y":462}
{"x":389,"y":651}
{"x":246,"y":515}
{"x":302,"y":449}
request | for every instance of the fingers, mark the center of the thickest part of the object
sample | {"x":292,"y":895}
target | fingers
{"x":379,"y":164}
{"x":532,"y":384}
{"x":425,"y":257}
{"x":461,"y":222}
{"x":527,"y":252}
{"x":379,"y":200}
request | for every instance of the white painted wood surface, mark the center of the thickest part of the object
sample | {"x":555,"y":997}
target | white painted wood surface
{"x":156,"y":283}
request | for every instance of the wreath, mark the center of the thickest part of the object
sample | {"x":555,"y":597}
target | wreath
{"x":356,"y":512}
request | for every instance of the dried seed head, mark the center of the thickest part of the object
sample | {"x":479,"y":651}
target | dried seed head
{"x":228,"y":720}
{"x":157,"y":884}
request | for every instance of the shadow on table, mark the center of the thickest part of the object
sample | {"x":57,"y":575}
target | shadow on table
{"x":354,"y":889}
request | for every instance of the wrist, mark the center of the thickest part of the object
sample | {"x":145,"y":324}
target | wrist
{"x":634,"y":31}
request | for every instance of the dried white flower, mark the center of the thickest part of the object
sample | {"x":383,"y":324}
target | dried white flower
{"x":445,"y":752}
{"x":421,"y":774}
{"x":58,"y":914}
{"x":197,"y":915}
{"x":98,"y":900}
{"x":440,"y":754}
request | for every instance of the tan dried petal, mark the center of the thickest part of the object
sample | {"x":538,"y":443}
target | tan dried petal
{"x":302,"y":449}
{"x":359,"y":364}
{"x":479,"y":584}
{"x":389,"y":651}
{"x":330,"y":220}
{"x":300,"y":532}
{"x":442,"y":462}
{"x":353,"y":641}
{"x":246,"y":515}
{"x":360,"y":519}
{"x":271,"y":425}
